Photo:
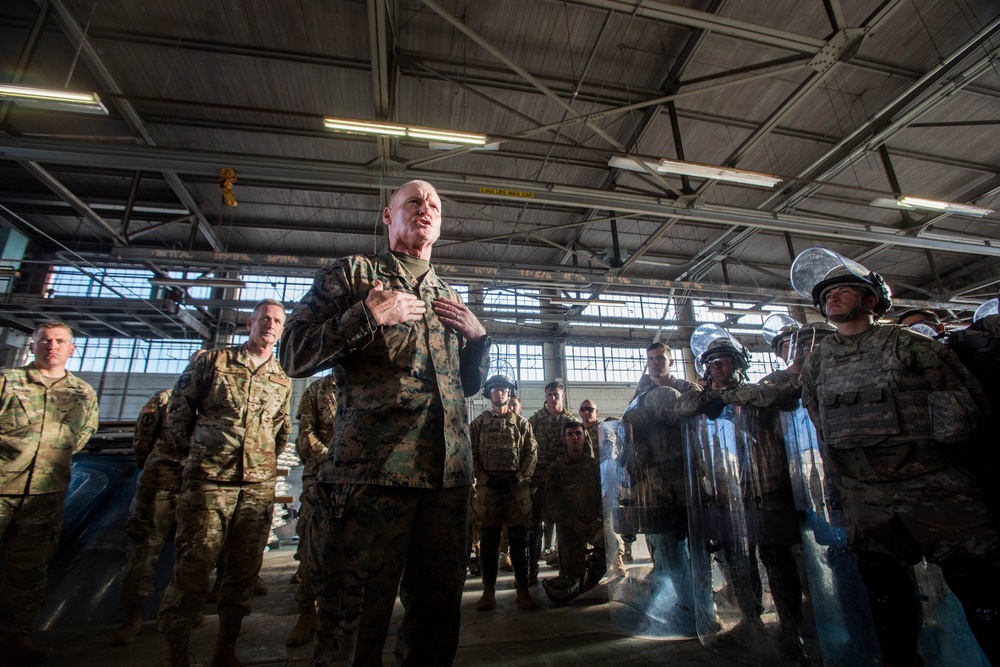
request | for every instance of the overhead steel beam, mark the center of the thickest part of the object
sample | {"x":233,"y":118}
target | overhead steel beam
{"x":64,"y":193}
{"x":328,"y":175}
{"x":720,"y":25}
{"x":79,"y":39}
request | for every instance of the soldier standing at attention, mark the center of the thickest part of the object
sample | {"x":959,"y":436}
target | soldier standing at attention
{"x":895,"y":410}
{"x":153,"y":508}
{"x":395,"y":489}
{"x":504,"y":453}
{"x":229,"y":413}
{"x":46,"y":415}
{"x":315,"y":414}
{"x":547,"y":426}
{"x":588,"y":417}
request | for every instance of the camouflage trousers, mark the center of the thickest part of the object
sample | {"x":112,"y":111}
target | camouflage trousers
{"x":304,"y":595}
{"x":495,"y":509}
{"x":573,"y":550}
{"x":149,"y":523}
{"x":371,"y":541}
{"x":210,"y":515}
{"x":29,"y":537}
{"x":927,"y":516}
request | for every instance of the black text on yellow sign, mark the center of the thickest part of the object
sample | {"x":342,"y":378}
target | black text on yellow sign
{"x":507,"y":193}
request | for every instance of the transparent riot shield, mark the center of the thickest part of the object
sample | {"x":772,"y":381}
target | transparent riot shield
{"x":839,"y":598}
{"x":645,"y":506}
{"x":745,"y":540}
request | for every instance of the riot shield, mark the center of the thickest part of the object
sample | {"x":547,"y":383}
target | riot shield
{"x":645,"y":500}
{"x":839,"y":598}
{"x":745,"y":539}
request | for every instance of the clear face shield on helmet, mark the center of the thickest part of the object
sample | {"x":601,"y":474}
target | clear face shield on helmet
{"x":815,"y":269}
{"x":777,"y":331}
{"x":709,"y":336}
{"x":985,"y":310}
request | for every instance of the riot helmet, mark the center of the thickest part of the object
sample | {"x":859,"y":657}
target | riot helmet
{"x":500,"y":381}
{"x":806,"y":339}
{"x":816,"y":270}
{"x":710,"y":341}
{"x":777,"y":328}
{"x":562,"y":589}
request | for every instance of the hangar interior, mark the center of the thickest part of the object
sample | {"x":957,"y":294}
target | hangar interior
{"x":608,"y":205}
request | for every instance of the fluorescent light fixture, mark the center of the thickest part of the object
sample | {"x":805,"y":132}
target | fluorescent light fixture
{"x":53,"y":100}
{"x":393,"y":130}
{"x":921,"y":204}
{"x":698,"y":170}
{"x":197,"y":282}
{"x":587,"y":302}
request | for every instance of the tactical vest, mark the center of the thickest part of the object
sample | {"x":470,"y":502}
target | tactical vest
{"x":866,"y":396}
{"x":499,"y":446}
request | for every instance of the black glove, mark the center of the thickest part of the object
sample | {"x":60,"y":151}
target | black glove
{"x":502,"y":483}
{"x":713,"y":408}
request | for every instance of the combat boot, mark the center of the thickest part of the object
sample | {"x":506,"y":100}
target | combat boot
{"x":259,"y":587}
{"x":126,"y":632}
{"x":304,"y":627}
{"x":225,"y":644}
{"x":488,"y":601}
{"x":178,"y":649}
{"x":18,"y":649}
{"x":524,"y":599}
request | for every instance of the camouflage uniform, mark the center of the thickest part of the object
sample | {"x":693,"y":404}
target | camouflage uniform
{"x":231,"y":418}
{"x":573,"y":498}
{"x":549,"y":436}
{"x":894,"y":409}
{"x":396,"y":485}
{"x":503,"y":446}
{"x":155,"y":503}
{"x":43,"y":422}
{"x":656,"y":470}
{"x":315,"y":414}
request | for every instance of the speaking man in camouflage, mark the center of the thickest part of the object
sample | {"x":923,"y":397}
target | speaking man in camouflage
{"x":316,"y":411}
{"x":547,"y":425}
{"x":229,"y":414}
{"x":394,"y":491}
{"x":573,"y":499}
{"x":46,"y":415}
{"x":894,"y":409}
{"x":153,"y":508}
{"x":504,"y":453}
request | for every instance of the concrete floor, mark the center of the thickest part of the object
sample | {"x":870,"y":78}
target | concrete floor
{"x":580,"y":634}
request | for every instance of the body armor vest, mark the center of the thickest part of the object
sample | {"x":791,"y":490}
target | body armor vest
{"x":499,"y":446}
{"x":866,"y":396}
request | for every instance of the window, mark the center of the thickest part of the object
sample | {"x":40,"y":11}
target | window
{"x":120,"y":355}
{"x":515,"y":302}
{"x":69,"y":281}
{"x":524,"y":362}
{"x":604,"y":364}
{"x":287,"y":289}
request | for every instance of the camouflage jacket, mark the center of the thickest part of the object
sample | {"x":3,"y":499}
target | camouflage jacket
{"x":573,"y":490}
{"x":401,"y":419}
{"x":230,"y":419}
{"x":40,"y":429}
{"x":315,"y":414}
{"x":502,"y":444}
{"x":646,"y":383}
{"x":889,"y":386}
{"x":155,"y":453}
{"x":779,"y":390}
{"x":548,"y":434}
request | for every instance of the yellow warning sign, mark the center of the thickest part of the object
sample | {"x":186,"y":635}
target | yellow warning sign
{"x":507,"y":193}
